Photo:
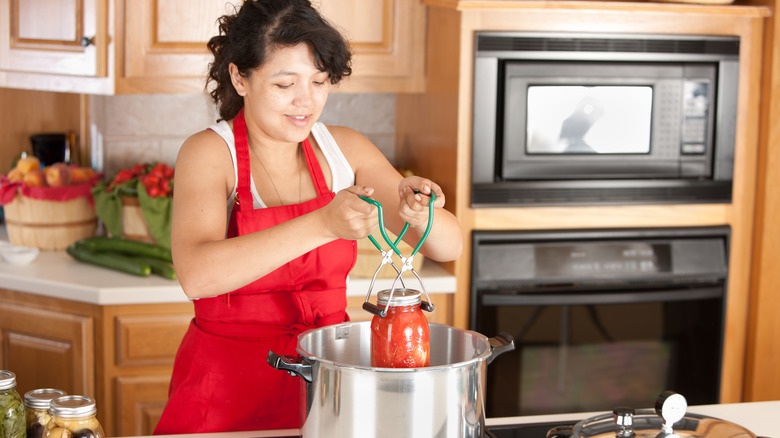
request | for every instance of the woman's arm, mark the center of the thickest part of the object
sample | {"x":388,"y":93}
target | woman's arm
{"x":206,"y":263}
{"x":400,"y":202}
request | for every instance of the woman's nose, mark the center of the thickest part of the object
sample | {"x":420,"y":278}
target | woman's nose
{"x":303,"y":95}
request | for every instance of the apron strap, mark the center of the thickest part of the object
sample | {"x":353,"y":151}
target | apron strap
{"x":314,"y":169}
{"x":243,"y":192}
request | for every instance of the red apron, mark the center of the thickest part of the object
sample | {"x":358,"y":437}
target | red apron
{"x":221,"y":381}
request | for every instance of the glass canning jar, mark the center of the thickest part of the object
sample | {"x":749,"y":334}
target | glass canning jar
{"x":12,"y":424}
{"x":73,"y":416}
{"x":37,"y":403}
{"x":401,"y":339}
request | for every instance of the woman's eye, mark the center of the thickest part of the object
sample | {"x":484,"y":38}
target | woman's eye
{"x":284,"y":85}
{"x":319,"y":82}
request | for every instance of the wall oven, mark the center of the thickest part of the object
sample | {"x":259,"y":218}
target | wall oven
{"x":601,"y":318}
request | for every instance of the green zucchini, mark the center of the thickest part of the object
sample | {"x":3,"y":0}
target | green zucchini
{"x":133,"y":247}
{"x":159,"y":267}
{"x":109,"y":260}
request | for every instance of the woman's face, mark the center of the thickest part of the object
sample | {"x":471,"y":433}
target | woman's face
{"x":284,"y":97}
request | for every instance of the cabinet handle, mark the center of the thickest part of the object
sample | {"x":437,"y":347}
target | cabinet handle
{"x":87,"y":41}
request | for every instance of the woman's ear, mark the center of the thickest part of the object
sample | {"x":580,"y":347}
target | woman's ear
{"x":237,"y":79}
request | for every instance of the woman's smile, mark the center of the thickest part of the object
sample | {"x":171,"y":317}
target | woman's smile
{"x":300,"y":121}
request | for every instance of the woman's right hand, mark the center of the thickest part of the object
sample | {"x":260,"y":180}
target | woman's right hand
{"x":349,"y":217}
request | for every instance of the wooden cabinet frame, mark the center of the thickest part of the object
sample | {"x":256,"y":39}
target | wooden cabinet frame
{"x":434,"y":134}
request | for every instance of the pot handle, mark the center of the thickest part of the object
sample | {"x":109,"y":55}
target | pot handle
{"x":500,"y":344}
{"x":292,"y":364}
{"x":560,"y":432}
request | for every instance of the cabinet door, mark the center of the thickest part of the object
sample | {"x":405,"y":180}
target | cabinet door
{"x":66,"y":37}
{"x":387,"y":39}
{"x":164,"y":44}
{"x":47,"y":349}
{"x":140,"y":403}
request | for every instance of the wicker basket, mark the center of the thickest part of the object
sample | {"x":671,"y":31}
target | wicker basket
{"x":369,"y":258}
{"x":134,"y":224}
{"x":49,"y":225}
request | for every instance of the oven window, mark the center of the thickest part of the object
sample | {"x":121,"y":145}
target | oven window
{"x":601,"y":355}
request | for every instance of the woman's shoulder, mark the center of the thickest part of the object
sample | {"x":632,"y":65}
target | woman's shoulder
{"x":204,"y":145}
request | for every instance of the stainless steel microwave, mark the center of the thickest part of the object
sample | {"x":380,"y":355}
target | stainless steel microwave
{"x":603,"y":119}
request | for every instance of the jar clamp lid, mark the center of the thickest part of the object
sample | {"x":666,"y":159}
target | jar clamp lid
{"x":400,"y":297}
{"x":41,"y":398}
{"x":72,"y":406}
{"x":7,"y":380}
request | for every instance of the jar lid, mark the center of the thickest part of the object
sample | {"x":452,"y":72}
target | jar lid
{"x":41,"y":398}
{"x":401,"y":297}
{"x":72,"y":406}
{"x":7,"y":379}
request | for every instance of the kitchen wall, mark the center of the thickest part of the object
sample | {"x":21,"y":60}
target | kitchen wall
{"x":128,"y":129}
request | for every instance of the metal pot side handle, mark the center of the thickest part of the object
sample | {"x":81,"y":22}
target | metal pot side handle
{"x":500,"y":344}
{"x":292,"y":364}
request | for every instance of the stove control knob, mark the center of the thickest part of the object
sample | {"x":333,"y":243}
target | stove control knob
{"x":671,"y":407}
{"x":624,"y":418}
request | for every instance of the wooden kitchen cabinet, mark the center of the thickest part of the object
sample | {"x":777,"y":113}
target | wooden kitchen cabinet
{"x":54,"y":36}
{"x":47,"y":346}
{"x":122,"y":355}
{"x":762,"y":381}
{"x":150,"y":46}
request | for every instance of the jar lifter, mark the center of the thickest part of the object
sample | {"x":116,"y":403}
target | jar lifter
{"x":406,"y":262}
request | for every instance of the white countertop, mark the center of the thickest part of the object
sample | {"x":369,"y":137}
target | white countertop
{"x":56,"y":274}
{"x":761,"y":418}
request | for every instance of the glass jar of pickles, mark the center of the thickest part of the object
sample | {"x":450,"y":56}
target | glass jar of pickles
{"x":401,"y":339}
{"x":37,"y":403}
{"x":11,"y":407}
{"x":73,"y":416}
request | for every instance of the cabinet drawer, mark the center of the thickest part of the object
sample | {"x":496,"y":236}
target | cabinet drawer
{"x":144,"y":340}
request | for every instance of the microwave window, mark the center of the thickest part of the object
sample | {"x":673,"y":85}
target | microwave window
{"x":602,"y":119}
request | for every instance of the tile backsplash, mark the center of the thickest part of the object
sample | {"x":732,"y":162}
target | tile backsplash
{"x":129,"y":129}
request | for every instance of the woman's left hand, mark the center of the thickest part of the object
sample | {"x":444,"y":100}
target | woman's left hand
{"x":415,"y":193}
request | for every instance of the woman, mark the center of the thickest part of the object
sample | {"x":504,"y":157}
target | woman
{"x":266,"y":214}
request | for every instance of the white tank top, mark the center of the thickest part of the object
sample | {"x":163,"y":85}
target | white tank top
{"x":342,"y":173}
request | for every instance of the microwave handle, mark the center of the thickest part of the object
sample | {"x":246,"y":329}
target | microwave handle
{"x":588,"y":298}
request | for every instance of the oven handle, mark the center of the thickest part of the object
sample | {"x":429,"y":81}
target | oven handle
{"x":585,"y":298}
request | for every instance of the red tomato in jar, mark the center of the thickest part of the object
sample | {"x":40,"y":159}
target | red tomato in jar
{"x":401,"y":339}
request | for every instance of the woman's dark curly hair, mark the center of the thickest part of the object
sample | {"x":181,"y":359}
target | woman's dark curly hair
{"x":260,"y":26}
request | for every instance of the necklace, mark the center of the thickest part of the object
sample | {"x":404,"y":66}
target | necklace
{"x":300,"y":174}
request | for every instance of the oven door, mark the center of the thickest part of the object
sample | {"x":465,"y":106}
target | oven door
{"x":599,"y":340}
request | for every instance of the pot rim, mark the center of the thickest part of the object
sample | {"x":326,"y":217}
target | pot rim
{"x":433,"y":368}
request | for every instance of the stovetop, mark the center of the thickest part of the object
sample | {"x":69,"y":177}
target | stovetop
{"x":530,"y":430}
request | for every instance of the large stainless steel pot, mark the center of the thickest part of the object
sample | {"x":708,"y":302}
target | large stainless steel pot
{"x":346,"y":397}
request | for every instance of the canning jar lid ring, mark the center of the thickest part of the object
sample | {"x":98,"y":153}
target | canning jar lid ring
{"x":7,"y":380}
{"x":401,"y":297}
{"x":72,"y":406}
{"x":41,"y":398}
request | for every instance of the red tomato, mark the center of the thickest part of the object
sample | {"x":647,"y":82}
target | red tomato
{"x":157,"y":172}
{"x":150,"y":180}
{"x":153,"y":191}
{"x":138,"y":169}
{"x":166,"y":185}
